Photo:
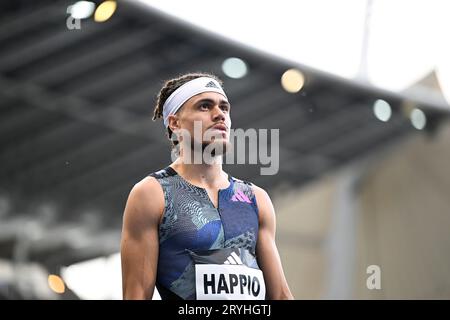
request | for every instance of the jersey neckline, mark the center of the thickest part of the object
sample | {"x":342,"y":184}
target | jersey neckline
{"x":172,"y":171}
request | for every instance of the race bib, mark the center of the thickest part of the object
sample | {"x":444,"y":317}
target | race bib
{"x":228,"y":274}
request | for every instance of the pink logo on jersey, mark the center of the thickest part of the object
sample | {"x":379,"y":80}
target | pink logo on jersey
{"x":240,"y":196}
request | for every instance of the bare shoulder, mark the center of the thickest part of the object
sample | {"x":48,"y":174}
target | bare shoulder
{"x":145,"y":202}
{"x":147,"y":187}
{"x":265,"y":206}
{"x":261,"y":195}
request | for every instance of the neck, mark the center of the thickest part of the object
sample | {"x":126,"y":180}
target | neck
{"x":202,"y":174}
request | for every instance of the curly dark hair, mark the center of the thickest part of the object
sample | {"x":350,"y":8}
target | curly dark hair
{"x":169,"y":87}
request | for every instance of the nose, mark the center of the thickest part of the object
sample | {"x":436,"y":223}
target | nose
{"x":218,"y":114}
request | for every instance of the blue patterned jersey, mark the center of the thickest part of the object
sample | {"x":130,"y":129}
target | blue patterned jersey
{"x":191,"y":222}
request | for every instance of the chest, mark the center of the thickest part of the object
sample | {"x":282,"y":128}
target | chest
{"x":205,"y":219}
{"x":213,"y":196}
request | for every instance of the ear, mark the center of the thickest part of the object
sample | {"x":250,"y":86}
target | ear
{"x":174,"y":122}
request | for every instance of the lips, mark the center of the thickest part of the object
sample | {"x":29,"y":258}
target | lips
{"x":220,"y":127}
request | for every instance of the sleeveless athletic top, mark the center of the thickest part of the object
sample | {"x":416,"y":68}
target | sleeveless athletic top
{"x":191,"y":222}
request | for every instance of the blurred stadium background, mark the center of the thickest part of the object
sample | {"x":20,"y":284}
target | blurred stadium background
{"x":360,"y":91}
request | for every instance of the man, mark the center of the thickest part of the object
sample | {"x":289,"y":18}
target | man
{"x":190,"y":229}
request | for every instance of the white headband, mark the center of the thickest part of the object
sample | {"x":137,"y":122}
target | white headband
{"x":187,"y":91}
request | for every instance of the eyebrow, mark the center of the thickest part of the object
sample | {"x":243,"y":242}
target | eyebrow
{"x":222,"y":101}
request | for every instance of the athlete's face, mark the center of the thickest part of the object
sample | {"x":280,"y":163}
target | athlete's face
{"x":206,"y":117}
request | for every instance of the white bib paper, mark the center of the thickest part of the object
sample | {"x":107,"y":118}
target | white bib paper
{"x":229,"y":282}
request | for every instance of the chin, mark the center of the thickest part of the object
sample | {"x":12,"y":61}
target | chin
{"x":218,"y":146}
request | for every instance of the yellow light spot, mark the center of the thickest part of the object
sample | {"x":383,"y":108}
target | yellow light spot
{"x":292,"y":80}
{"x":105,"y":10}
{"x":56,"y":283}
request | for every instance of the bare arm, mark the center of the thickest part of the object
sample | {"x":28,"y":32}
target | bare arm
{"x":139,"y":243}
{"x":266,"y":249}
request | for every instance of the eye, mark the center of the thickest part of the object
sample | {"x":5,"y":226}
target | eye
{"x":225,"y":107}
{"x":204,"y":106}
